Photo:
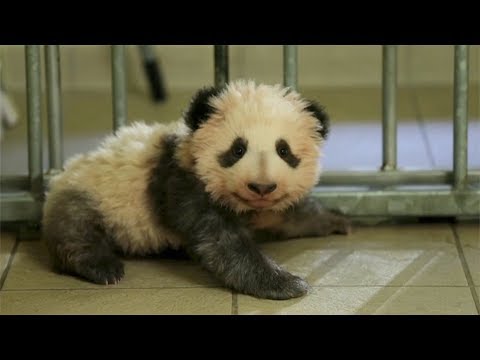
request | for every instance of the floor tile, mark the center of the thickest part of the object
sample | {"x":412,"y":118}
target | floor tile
{"x":125,"y":301}
{"x":7,"y":241}
{"x":413,"y":255}
{"x":469,"y":235}
{"x":366,"y":300}
{"x":31,"y":270}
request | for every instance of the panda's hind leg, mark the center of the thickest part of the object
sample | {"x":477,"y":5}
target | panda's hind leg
{"x":77,"y":239}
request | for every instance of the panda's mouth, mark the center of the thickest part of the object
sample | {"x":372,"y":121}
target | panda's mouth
{"x":259,"y":203}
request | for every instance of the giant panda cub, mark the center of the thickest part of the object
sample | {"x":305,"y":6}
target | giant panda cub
{"x":239,"y":163}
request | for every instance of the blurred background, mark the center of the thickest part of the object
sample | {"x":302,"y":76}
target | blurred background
{"x":345,"y":79}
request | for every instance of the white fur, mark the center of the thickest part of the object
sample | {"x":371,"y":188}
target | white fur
{"x":116,"y":176}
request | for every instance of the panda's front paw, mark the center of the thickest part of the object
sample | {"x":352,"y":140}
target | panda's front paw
{"x":103,"y":270}
{"x":342,"y":225}
{"x":281,"y":287}
{"x":333,"y":223}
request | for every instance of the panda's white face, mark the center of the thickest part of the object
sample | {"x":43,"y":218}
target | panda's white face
{"x":259,"y":151}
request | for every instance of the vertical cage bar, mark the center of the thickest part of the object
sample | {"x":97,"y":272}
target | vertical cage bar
{"x":290,"y":66}
{"x":389,"y":120}
{"x":221,"y":65}
{"x":119,"y":87}
{"x":35,"y":158}
{"x":54,"y":107}
{"x":460,"y":120}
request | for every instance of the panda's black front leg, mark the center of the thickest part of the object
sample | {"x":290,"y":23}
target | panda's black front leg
{"x":310,"y":218}
{"x":218,"y":239}
{"x":228,"y":251}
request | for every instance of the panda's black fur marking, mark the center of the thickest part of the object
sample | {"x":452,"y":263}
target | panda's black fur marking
{"x":200,"y":110}
{"x":229,"y":157}
{"x":83,"y":241}
{"x":319,"y":112}
{"x":289,"y":158}
{"x":86,"y":230}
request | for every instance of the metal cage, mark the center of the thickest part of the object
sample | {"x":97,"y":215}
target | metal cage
{"x":386,"y":192}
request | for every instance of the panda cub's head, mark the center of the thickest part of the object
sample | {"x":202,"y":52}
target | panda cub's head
{"x":256,"y":147}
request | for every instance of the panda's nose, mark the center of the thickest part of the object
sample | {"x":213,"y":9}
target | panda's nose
{"x":262,"y":189}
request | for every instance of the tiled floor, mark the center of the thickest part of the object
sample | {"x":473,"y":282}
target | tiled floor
{"x":383,"y":269}
{"x":416,"y":268}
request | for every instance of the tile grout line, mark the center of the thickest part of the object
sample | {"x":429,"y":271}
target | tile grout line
{"x":9,"y":263}
{"x":234,"y":303}
{"x":466,"y":269}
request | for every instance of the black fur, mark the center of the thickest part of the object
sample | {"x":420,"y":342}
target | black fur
{"x":78,"y":241}
{"x":216,"y":237}
{"x":319,"y":112}
{"x":231,"y":156}
{"x":309,"y":218}
{"x":199,"y":109}
{"x":284,"y":151}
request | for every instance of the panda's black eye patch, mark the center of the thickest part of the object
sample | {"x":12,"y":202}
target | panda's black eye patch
{"x":284,"y":151}
{"x":236,"y":151}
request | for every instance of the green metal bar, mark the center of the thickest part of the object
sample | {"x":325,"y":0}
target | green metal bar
{"x":290,"y":59}
{"x":417,"y":177}
{"x":17,"y":202}
{"x":460,"y":124}
{"x":442,"y":202}
{"x":19,"y":206}
{"x":11,"y":183}
{"x":389,"y":120}
{"x":119,"y":87}
{"x":35,"y":158}
{"x":221,"y":64}
{"x":54,"y":102}
{"x":14,"y":183}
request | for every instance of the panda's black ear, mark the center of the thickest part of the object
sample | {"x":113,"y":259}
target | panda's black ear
{"x":319,"y":112}
{"x":200,"y":109}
